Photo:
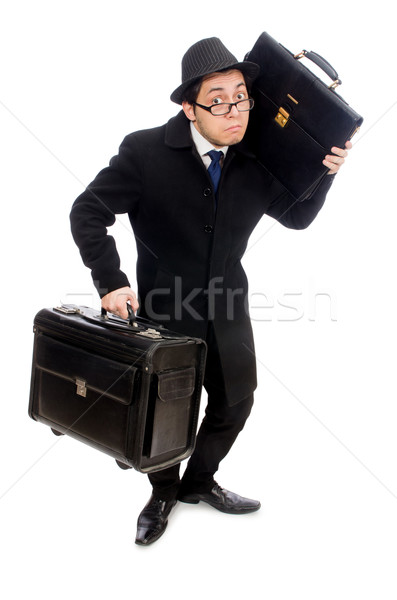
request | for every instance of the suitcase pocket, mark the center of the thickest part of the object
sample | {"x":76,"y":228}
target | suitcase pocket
{"x":83,"y":393}
{"x":170,"y":411}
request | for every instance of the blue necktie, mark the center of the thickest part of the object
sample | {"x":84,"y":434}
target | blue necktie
{"x":215,"y":168}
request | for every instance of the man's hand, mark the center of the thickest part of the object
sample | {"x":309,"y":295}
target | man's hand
{"x":115,"y":302}
{"x":335,"y":161}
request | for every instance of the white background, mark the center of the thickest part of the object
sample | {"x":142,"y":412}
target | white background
{"x":320,"y":449}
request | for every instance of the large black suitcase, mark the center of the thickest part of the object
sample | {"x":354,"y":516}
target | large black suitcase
{"x":131,"y":390}
{"x":297,"y":117}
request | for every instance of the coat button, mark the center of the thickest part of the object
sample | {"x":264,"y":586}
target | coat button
{"x":208,"y":229}
{"x":207,"y":192}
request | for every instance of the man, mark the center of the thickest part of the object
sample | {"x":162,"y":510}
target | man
{"x":193,"y":192}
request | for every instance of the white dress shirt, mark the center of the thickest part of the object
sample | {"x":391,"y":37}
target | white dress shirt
{"x":204,"y":146}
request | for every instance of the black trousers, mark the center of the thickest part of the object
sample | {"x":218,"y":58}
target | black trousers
{"x":218,"y":431}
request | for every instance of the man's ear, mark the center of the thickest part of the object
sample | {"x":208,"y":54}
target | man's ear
{"x":188,"y":109}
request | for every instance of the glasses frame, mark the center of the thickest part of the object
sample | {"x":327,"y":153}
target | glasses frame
{"x":229,"y":104}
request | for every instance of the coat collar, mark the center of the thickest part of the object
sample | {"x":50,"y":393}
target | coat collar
{"x":177,"y":132}
{"x":177,"y":135}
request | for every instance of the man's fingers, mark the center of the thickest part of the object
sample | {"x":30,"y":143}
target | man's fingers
{"x":339,"y":152}
{"x":333,"y":163}
{"x":121,"y":305}
{"x":335,"y":160}
{"x":116,"y":302}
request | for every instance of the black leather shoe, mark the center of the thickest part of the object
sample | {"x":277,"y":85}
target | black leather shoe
{"x":223,"y":500}
{"x":153,"y":520}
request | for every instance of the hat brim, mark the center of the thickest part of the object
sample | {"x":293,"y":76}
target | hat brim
{"x":250,"y":71}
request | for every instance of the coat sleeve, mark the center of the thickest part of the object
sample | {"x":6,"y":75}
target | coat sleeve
{"x":115,"y":190}
{"x":296,"y":214}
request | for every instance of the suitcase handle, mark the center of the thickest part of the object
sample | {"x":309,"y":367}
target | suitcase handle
{"x":131,"y":315}
{"x":323,"y":64}
{"x":145,"y":327}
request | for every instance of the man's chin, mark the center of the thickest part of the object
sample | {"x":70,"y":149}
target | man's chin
{"x":235,"y":139}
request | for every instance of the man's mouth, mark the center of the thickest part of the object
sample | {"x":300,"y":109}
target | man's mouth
{"x":233,"y":128}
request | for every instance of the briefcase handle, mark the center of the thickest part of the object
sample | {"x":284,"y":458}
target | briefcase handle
{"x":323,"y":64}
{"x":144,"y":327}
{"x":131,"y":315}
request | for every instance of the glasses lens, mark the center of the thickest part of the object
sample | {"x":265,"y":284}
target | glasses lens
{"x":224,"y":108}
{"x":244,"y":105}
{"x":220,"y":109}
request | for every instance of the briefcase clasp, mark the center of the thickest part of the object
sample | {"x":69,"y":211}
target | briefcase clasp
{"x":150,"y":333}
{"x":282,"y":117}
{"x":81,"y":388}
{"x":68,"y":309}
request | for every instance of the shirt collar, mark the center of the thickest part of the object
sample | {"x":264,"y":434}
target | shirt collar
{"x":202,"y":144}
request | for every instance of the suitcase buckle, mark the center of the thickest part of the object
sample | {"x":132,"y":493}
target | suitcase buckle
{"x":81,"y":388}
{"x":68,"y":309}
{"x":150,"y":333}
{"x":282,"y":117}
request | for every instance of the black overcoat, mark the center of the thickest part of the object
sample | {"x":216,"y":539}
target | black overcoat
{"x":189,"y":243}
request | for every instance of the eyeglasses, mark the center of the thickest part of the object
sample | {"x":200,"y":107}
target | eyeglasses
{"x":224,"y":108}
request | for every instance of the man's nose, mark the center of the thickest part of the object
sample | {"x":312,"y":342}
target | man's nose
{"x":233,"y":112}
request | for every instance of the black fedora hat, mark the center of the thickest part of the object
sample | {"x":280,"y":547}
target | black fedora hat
{"x":206,"y":57}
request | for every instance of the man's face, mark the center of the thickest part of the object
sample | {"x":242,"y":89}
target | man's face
{"x":224,"y":130}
